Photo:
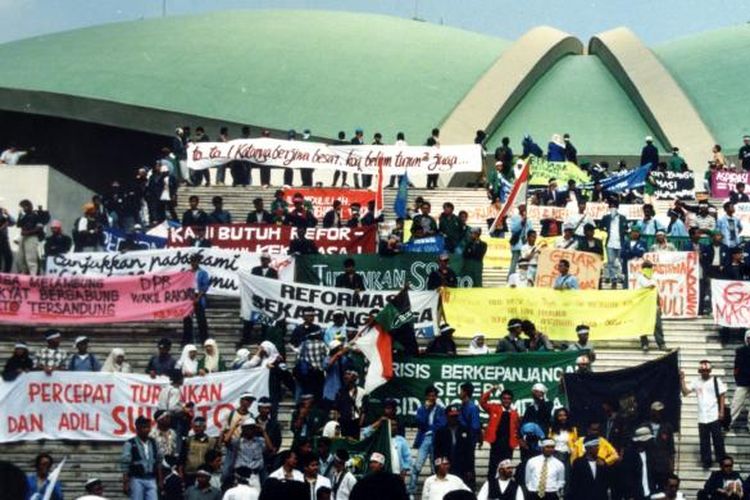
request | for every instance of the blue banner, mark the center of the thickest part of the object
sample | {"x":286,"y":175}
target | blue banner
{"x":113,"y":237}
{"x":400,"y":203}
{"x":430,"y":244}
{"x":623,"y":181}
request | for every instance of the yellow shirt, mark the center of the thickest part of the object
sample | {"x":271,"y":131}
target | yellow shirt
{"x":607,"y":452}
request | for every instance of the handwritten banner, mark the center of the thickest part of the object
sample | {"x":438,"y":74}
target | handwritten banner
{"x":542,"y":171}
{"x":724,"y":181}
{"x":673,"y":185}
{"x":316,"y":155}
{"x":676,"y":275}
{"x":221,"y":265}
{"x":611,"y":314}
{"x":276,"y":239}
{"x":267,"y":300}
{"x":322,"y":199}
{"x":585,"y":266}
{"x":99,"y":406}
{"x":63,"y":301}
{"x":731,"y":303}
{"x":595,"y":211}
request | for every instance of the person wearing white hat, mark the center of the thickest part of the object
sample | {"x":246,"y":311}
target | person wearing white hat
{"x":642,"y":470}
{"x":663,"y":432}
{"x":583,"y":344}
{"x":443,"y":343}
{"x":338,"y":330}
{"x":202,"y":489}
{"x":83,"y":361}
{"x":250,"y":449}
{"x":443,"y":276}
{"x":57,"y":243}
{"x":650,"y":153}
{"x":439,"y":484}
{"x":51,"y":357}
{"x":503,"y":485}
{"x":545,"y":474}
{"x":711,"y":393}
{"x":20,"y":362}
{"x":741,"y":377}
{"x":568,"y":239}
{"x":478,"y":345}
{"x":661,"y":244}
{"x":540,"y":410}
{"x":590,"y":477}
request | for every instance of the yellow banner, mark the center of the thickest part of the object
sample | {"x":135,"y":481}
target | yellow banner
{"x":498,"y":249}
{"x":611,"y":314}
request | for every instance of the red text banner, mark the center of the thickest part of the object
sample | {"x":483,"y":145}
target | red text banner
{"x":731,"y":303}
{"x":104,"y":406}
{"x":317,"y":155}
{"x":275,"y":239}
{"x":595,"y":211}
{"x":677,"y":278}
{"x":322,"y":199}
{"x":585,"y":266}
{"x":79,"y":300}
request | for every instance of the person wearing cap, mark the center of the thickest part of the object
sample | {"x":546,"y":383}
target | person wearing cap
{"x":429,"y":418}
{"x":565,"y":280}
{"x":20,"y":362}
{"x":474,"y":248}
{"x":56,"y":243}
{"x":194,"y":447}
{"x":456,"y":442}
{"x":401,"y":462}
{"x":88,"y":232}
{"x":202,"y":489}
{"x":521,"y":278}
{"x":704,"y":219}
{"x":260,"y":215}
{"x":250,"y":449}
{"x":661,"y":244}
{"x":83,"y":361}
{"x":583,"y":344}
{"x":350,"y":278}
{"x":232,"y":430}
{"x":442,"y":482}
{"x":139,"y":463}
{"x":540,"y":410}
{"x":503,"y":426}
{"x":663,"y":433}
{"x":711,"y":394}
{"x":300,"y":215}
{"x":201,"y":287}
{"x":590,"y":477}
{"x":443,"y":343}
{"x":645,"y":279}
{"x":725,"y":483}
{"x":633,"y":248}
{"x":544,"y":474}
{"x":162,"y":363}
{"x":94,"y":487}
{"x":616,"y":227}
{"x":443,"y":276}
{"x":512,"y":342}
{"x":51,"y":357}
{"x":650,"y":153}
{"x":568,"y":240}
{"x":31,"y":223}
{"x":342,"y":481}
{"x":503,"y":485}
{"x":642,"y":471}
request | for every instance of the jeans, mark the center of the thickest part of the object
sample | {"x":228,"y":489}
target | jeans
{"x":221,"y":174}
{"x":424,"y":453}
{"x":707,"y":433}
{"x":612,"y":270}
{"x":514,"y":256}
{"x":143,"y":489}
{"x":738,"y":401}
{"x":187,"y":325}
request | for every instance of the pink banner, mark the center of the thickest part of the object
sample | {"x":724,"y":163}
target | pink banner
{"x":723,"y":182}
{"x":81,"y":300}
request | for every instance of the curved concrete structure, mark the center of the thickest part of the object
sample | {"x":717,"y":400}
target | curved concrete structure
{"x":503,"y":86}
{"x":661,"y":101}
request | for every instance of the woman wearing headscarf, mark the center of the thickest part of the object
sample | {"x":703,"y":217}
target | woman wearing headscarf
{"x":211,"y":361}
{"x":188,"y":362}
{"x":115,"y":362}
{"x":477,"y":345}
{"x":241,"y":359}
{"x":269,"y":356}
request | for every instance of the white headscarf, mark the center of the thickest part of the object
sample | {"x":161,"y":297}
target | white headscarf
{"x":211,"y":362}
{"x":110,"y":364}
{"x":271,"y":354}
{"x":474,"y":347}
{"x":189,"y":367}
{"x":240,"y":358}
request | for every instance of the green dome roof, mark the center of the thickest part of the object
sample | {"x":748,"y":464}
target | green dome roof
{"x":327,"y":71}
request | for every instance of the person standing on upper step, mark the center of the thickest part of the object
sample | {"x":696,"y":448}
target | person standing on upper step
{"x":650,"y":153}
{"x":433,"y":141}
{"x":219,"y":215}
{"x":741,"y":378}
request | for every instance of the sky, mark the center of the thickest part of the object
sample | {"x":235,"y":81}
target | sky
{"x":654,"y":21}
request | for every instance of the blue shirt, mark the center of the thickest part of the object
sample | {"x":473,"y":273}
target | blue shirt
{"x":469,"y":418}
{"x":567,"y":282}
{"x":730,"y":228}
{"x":87,"y":364}
{"x":202,"y":284}
{"x":57,"y":493}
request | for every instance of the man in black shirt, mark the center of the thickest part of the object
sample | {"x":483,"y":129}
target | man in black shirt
{"x":744,"y":154}
{"x":259,"y":215}
{"x":443,"y":275}
{"x":6,"y":254}
{"x":57,"y":243}
{"x":31,"y":222}
{"x":265,"y":269}
{"x":350,"y":279}
{"x":194,"y":216}
{"x":739,"y":195}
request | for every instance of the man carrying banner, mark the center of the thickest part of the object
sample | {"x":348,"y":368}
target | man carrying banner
{"x":645,"y":279}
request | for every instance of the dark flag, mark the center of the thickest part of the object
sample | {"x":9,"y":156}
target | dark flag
{"x":633,"y":388}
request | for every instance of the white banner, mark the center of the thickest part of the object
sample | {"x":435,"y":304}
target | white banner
{"x":264,"y":299}
{"x":596,"y":211}
{"x":302,"y":154}
{"x":104,"y":406}
{"x":222,"y":265}
{"x":677,"y":278}
{"x":730,"y":301}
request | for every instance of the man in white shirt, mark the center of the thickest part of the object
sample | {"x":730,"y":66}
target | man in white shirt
{"x":502,"y":484}
{"x":579,"y":220}
{"x":545,"y":474}
{"x":530,"y":250}
{"x":312,"y":479}
{"x":288,"y":470}
{"x":439,"y":484}
{"x":343,"y":481}
{"x":11,"y":156}
{"x":521,"y":278}
{"x":711,"y":393}
{"x":568,"y":240}
{"x":243,"y":491}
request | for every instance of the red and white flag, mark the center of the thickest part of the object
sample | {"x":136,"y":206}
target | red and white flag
{"x":517,"y":195}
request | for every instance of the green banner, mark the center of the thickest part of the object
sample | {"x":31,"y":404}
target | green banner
{"x":517,"y":372}
{"x":385,"y":273}
{"x":360,"y":451}
{"x":542,"y":171}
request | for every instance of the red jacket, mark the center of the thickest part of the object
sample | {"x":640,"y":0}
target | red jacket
{"x":495,"y":411}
